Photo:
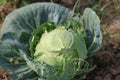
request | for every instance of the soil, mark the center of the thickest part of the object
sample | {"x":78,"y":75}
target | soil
{"x":107,"y":60}
{"x":3,"y":75}
{"x":5,"y":10}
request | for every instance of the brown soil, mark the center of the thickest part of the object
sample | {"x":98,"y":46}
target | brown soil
{"x":107,"y":62}
{"x":3,"y":75}
{"x":5,"y":10}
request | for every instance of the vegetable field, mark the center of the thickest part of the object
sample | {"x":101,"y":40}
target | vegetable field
{"x":59,"y":39}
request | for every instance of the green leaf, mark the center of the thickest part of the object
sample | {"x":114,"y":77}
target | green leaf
{"x":93,"y":32}
{"x":24,"y":37}
{"x":29,"y":18}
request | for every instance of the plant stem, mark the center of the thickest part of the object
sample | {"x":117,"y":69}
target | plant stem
{"x":76,"y":4}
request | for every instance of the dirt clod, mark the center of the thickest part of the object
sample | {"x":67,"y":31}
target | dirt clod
{"x":117,"y":77}
{"x":108,"y":77}
{"x":3,"y":75}
{"x":114,"y":71}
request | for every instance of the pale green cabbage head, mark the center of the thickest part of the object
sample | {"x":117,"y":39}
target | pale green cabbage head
{"x":62,"y":49}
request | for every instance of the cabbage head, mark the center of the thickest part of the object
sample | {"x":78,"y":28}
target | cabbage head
{"x":61,"y":51}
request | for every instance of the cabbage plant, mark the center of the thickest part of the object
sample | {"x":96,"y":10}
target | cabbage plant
{"x":46,"y":41}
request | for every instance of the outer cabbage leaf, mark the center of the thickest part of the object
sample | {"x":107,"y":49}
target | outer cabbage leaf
{"x":10,"y":58}
{"x":30,"y":17}
{"x":93,"y":37}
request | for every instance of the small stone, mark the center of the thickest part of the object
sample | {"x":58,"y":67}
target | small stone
{"x":11,"y":60}
{"x":113,"y":71}
{"x":108,"y":77}
{"x":16,"y":62}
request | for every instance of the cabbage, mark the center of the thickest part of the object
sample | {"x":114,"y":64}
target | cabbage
{"x":58,"y":49}
{"x":44,"y":41}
